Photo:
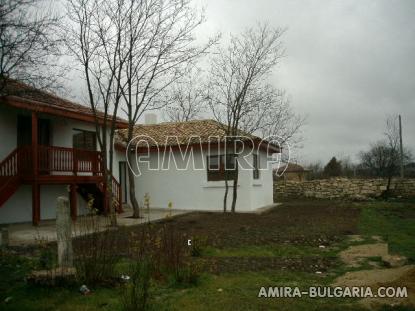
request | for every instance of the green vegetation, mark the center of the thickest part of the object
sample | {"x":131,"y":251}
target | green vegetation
{"x":393,"y":221}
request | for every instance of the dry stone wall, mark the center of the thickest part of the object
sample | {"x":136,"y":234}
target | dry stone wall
{"x":337,"y":188}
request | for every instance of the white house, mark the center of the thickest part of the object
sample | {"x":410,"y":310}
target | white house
{"x":184,"y":163}
{"x":49,"y":148}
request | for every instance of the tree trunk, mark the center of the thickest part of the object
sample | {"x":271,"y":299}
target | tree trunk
{"x":388,"y":186}
{"x":131,"y":181}
{"x":113,"y":215}
{"x":235,"y":188}
{"x":225,"y":197}
{"x":113,"y":212}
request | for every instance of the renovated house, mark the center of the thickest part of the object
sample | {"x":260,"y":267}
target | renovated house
{"x":185,"y":164}
{"x":48,"y":149}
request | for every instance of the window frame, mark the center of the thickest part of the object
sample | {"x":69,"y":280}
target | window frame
{"x":84,"y":132}
{"x":219,"y":173}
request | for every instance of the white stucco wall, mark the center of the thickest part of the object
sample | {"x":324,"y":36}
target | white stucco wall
{"x":189,"y":189}
{"x":18,"y":208}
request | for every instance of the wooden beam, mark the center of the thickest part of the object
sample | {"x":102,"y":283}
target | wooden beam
{"x":35,"y":144}
{"x":35,"y":204}
{"x":35,"y":185}
{"x":73,"y":201}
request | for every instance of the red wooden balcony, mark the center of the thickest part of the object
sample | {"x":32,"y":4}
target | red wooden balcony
{"x":51,"y":160}
{"x":38,"y":165}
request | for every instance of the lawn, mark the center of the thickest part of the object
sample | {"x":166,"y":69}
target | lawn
{"x":296,"y":244}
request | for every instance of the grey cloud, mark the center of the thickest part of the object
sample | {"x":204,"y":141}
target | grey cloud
{"x":349,"y":64}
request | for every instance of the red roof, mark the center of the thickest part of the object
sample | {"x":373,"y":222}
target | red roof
{"x":23,"y":96}
{"x":183,"y":133}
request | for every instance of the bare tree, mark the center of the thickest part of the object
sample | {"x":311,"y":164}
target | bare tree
{"x":315,"y":170}
{"x":161,"y":45}
{"x":96,"y":36}
{"x":29,"y":46}
{"x":186,"y":99}
{"x":240,"y":96}
{"x":383,"y":157}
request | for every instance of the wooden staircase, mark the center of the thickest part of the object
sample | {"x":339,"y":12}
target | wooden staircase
{"x":55,"y":163}
{"x":12,"y":168}
{"x":8,"y":186}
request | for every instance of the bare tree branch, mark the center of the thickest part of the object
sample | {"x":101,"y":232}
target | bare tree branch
{"x":239,"y":94}
{"x":29,"y":45}
{"x":186,"y":99}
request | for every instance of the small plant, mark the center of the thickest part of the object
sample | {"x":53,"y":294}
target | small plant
{"x":187,"y":274}
{"x":146,"y":205}
{"x":198,"y":244}
{"x":46,"y":260}
{"x":137,"y":291}
{"x":95,"y":248}
{"x":169,"y":207}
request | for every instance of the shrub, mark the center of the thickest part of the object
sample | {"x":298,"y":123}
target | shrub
{"x":95,"y":250}
{"x":198,"y":244}
{"x":167,"y":249}
{"x":187,"y":274}
{"x":137,"y":291}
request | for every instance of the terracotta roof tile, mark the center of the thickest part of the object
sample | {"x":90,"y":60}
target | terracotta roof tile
{"x":184,"y":131}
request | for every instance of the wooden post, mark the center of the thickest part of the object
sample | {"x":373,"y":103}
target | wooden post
{"x":73,"y":200}
{"x":35,"y":184}
{"x":75,"y":162}
{"x":35,"y":203}
{"x":35,"y":144}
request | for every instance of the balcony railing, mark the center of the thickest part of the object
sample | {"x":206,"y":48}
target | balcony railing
{"x":52,"y":160}
{"x":68,"y":160}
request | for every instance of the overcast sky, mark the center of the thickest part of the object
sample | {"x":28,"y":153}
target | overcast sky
{"x":348,"y":65}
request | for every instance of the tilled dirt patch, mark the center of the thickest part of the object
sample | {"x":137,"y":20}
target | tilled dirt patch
{"x":310,"y":223}
{"x":219,"y":265}
{"x":373,"y":277}
{"x":393,"y":277}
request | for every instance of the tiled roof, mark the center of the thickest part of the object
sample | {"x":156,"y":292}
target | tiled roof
{"x":291,"y":168}
{"x":190,"y":131}
{"x":43,"y":99}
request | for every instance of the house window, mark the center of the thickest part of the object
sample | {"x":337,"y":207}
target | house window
{"x":85,"y":140}
{"x":255,"y":164}
{"x":221,"y":167}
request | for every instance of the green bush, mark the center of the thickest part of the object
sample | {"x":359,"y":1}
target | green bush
{"x":137,"y":290}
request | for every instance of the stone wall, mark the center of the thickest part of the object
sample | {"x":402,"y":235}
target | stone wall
{"x":337,"y":188}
